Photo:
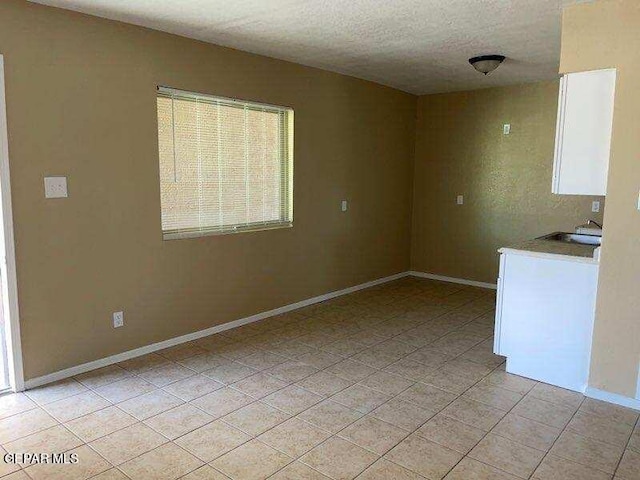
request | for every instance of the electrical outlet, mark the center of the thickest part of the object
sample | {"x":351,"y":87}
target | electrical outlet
{"x":460,"y":199}
{"x":118,"y":319}
{"x":506,"y":129}
{"x":595,"y":206}
{"x":344,"y":205}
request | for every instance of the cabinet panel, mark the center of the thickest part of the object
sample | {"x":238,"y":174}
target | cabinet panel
{"x":583,"y":132}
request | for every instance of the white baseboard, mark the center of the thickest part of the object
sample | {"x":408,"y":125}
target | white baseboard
{"x":461,"y":281}
{"x":612,"y":398}
{"x":137,"y":352}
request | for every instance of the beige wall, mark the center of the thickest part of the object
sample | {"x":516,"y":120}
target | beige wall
{"x":505,"y":179}
{"x":601,"y":35}
{"x":81,"y":102}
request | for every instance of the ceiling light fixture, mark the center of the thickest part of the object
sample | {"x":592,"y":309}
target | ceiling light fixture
{"x":486,"y":63}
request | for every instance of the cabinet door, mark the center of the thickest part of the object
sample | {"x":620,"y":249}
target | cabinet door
{"x":583,"y":133}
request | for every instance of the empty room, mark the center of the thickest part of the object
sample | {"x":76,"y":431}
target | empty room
{"x":319,"y":240}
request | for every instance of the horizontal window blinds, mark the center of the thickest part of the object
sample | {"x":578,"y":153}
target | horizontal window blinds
{"x":225,"y":165}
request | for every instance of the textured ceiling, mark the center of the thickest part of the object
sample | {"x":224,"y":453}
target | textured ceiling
{"x":420,"y":46}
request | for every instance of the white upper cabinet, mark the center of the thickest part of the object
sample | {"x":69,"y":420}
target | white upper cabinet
{"x":583,"y":133}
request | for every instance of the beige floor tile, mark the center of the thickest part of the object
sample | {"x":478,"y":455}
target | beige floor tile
{"x":252,"y":461}
{"x":466,"y":369}
{"x":205,"y":472}
{"x":556,"y":468}
{"x":291,"y":349}
{"x":346,"y":347}
{"x":405,"y":415}
{"x":448,"y":382}
{"x":494,"y":396}
{"x":557,"y":395}
{"x":100,"y":423}
{"x":212,"y":440}
{"x":229,"y":373}
{"x":385,"y":470}
{"x":424,"y":457}
{"x":184,"y":350}
{"x":259,"y":385}
{"x":145,"y":362}
{"x":55,"y":439}
{"x":330,"y":416}
{"x":375,"y":359}
{"x":7,"y":467}
{"x":55,"y":391}
{"x":89,"y":464}
{"x":360,"y":398}
{"x":255,"y":418}
{"x":587,"y":451}
{"x":609,"y":410}
{"x":166,"y":462}
{"x":128,"y":443}
{"x":544,"y":412}
{"x":298,"y":471}
{"x":178,"y":421}
{"x":320,"y":359}
{"x":474,"y":413}
{"x":18,"y":475}
{"x":409,"y":369}
{"x":103,"y":376}
{"x":507,"y":455}
{"x":14,"y":403}
{"x":339,"y":459}
{"x":221,"y":402}
{"x":111,"y":474}
{"x":294,"y":437}
{"x":427,"y":397}
{"x":350,"y":370}
{"x":429,"y":356}
{"x":263,"y":360}
{"x":451,"y":433}
{"x":386,"y":383}
{"x":166,"y":374}
{"x":324,"y":383}
{"x":373,"y":434}
{"x":292,"y":399}
{"x":124,"y":389}
{"x":600,"y":428}
{"x":150,"y":404}
{"x":634,"y":441}
{"x":508,"y":381}
{"x":23,"y":424}
{"x":527,"y":432}
{"x":292,"y":371}
{"x":76,"y":406}
{"x":469,"y":469}
{"x":629,"y":468}
{"x":203,"y":362}
{"x":193,"y":387}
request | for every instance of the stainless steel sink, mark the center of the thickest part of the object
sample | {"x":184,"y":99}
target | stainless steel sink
{"x":582,"y":239}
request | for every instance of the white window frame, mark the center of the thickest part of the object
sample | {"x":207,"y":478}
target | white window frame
{"x":287,"y":206}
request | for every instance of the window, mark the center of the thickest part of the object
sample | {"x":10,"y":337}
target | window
{"x":225,"y":165}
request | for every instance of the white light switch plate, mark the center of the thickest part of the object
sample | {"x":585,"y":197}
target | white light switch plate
{"x":460,"y":199}
{"x":595,"y":206}
{"x":506,"y":129}
{"x":55,"y":187}
{"x":118,"y":319}
{"x":343,"y":205}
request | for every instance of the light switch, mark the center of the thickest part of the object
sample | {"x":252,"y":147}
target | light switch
{"x":344,"y":205}
{"x":55,"y":187}
{"x":460,"y":199}
{"x":595,"y":206}
{"x":506,"y":129}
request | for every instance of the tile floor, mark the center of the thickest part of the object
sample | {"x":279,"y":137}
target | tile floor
{"x":394,"y":382}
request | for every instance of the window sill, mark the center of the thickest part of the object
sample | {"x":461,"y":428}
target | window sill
{"x":216,"y":233}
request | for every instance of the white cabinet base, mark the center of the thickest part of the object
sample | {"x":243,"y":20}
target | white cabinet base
{"x":544,"y":318}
